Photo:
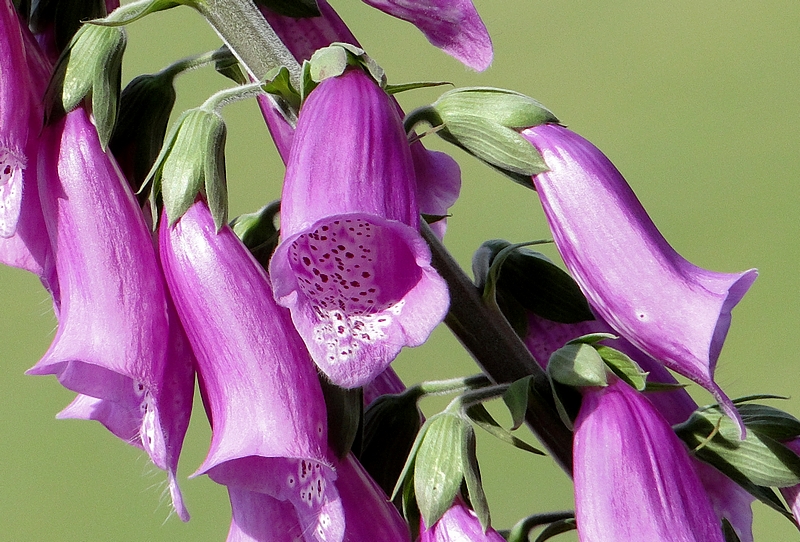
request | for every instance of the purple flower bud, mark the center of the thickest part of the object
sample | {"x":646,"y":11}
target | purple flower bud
{"x":672,"y":310}
{"x":458,"y":523}
{"x":111,"y":346}
{"x":260,"y":387}
{"x":633,"y":477}
{"x":351,"y":265}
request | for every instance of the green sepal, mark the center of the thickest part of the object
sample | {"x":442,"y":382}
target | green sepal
{"x":728,"y":532}
{"x":391,"y":424}
{"x":500,"y":106}
{"x":481,"y":417}
{"x":769,"y":421}
{"x":521,"y":530}
{"x":65,"y":17}
{"x":91,"y":65}
{"x":145,"y":107}
{"x":655,"y":387}
{"x":191,"y":162}
{"x":577,"y":365}
{"x":258,"y":232}
{"x":472,"y":477}
{"x":485,"y":122}
{"x":758,"y":459}
{"x":624,"y":367}
{"x":530,"y":278}
{"x":516,"y":400}
{"x":278,"y":82}
{"x":298,"y":9}
{"x":557,"y":390}
{"x":332,"y":61}
{"x":345,"y":410}
{"x":129,"y":13}
{"x":439,"y":465}
{"x":403,"y":87}
{"x":501,"y":147}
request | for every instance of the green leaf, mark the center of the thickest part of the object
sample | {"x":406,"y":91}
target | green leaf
{"x":592,"y":338}
{"x":516,"y":399}
{"x":472,"y":477}
{"x":479,"y":415}
{"x":760,"y":460}
{"x":624,"y":367}
{"x":328,"y":62}
{"x":134,"y":11}
{"x":407,"y":474}
{"x":577,"y":365}
{"x":438,"y":469}
{"x":278,"y":82}
{"x":769,"y":421}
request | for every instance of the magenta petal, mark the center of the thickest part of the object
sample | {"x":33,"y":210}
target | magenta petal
{"x":438,"y":183}
{"x":451,"y":25}
{"x":634,"y":479}
{"x":672,"y":310}
{"x":260,"y":387}
{"x":257,"y":517}
{"x":351,"y":265}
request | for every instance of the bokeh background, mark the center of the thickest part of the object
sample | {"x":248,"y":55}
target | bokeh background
{"x":695,"y":102}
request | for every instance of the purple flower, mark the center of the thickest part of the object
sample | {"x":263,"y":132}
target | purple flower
{"x":438,"y":175}
{"x":728,"y":499}
{"x":672,"y":310}
{"x":260,"y":387}
{"x":111,"y":346}
{"x":451,"y":25}
{"x":458,"y":523}
{"x":633,"y":477}
{"x":351,"y":265}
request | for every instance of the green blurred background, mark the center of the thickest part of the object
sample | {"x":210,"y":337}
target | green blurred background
{"x":695,"y":102}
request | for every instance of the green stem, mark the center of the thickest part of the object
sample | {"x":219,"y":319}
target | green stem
{"x":194,"y":62}
{"x":487,"y":335}
{"x":248,"y":35}
{"x":438,"y":387}
{"x":228,"y":95}
{"x":521,"y":531}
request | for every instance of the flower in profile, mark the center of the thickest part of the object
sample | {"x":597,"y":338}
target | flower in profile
{"x":111,"y":346}
{"x":351,"y":265}
{"x":672,"y":310}
{"x":259,"y":385}
{"x":458,"y":523}
{"x":633,"y":476}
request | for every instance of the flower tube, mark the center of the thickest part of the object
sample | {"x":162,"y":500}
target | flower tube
{"x":458,"y":523}
{"x":351,"y":265}
{"x":633,"y":477}
{"x":672,"y":310}
{"x":260,"y":388}
{"x":113,"y":332}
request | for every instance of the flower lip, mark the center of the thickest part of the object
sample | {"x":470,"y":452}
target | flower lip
{"x":669,"y":308}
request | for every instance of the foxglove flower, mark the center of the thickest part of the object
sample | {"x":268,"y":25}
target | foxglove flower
{"x":438,"y":174}
{"x":672,"y":310}
{"x":113,"y":332}
{"x":262,"y":395}
{"x":633,"y":477}
{"x":728,"y":499}
{"x":351,"y":266}
{"x":458,"y":523}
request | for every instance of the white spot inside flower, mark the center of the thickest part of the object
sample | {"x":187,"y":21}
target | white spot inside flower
{"x":10,"y":192}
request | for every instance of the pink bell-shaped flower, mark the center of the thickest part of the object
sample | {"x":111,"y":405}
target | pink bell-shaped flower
{"x":352,"y":266}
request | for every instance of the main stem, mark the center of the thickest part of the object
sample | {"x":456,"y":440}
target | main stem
{"x":498,"y":351}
